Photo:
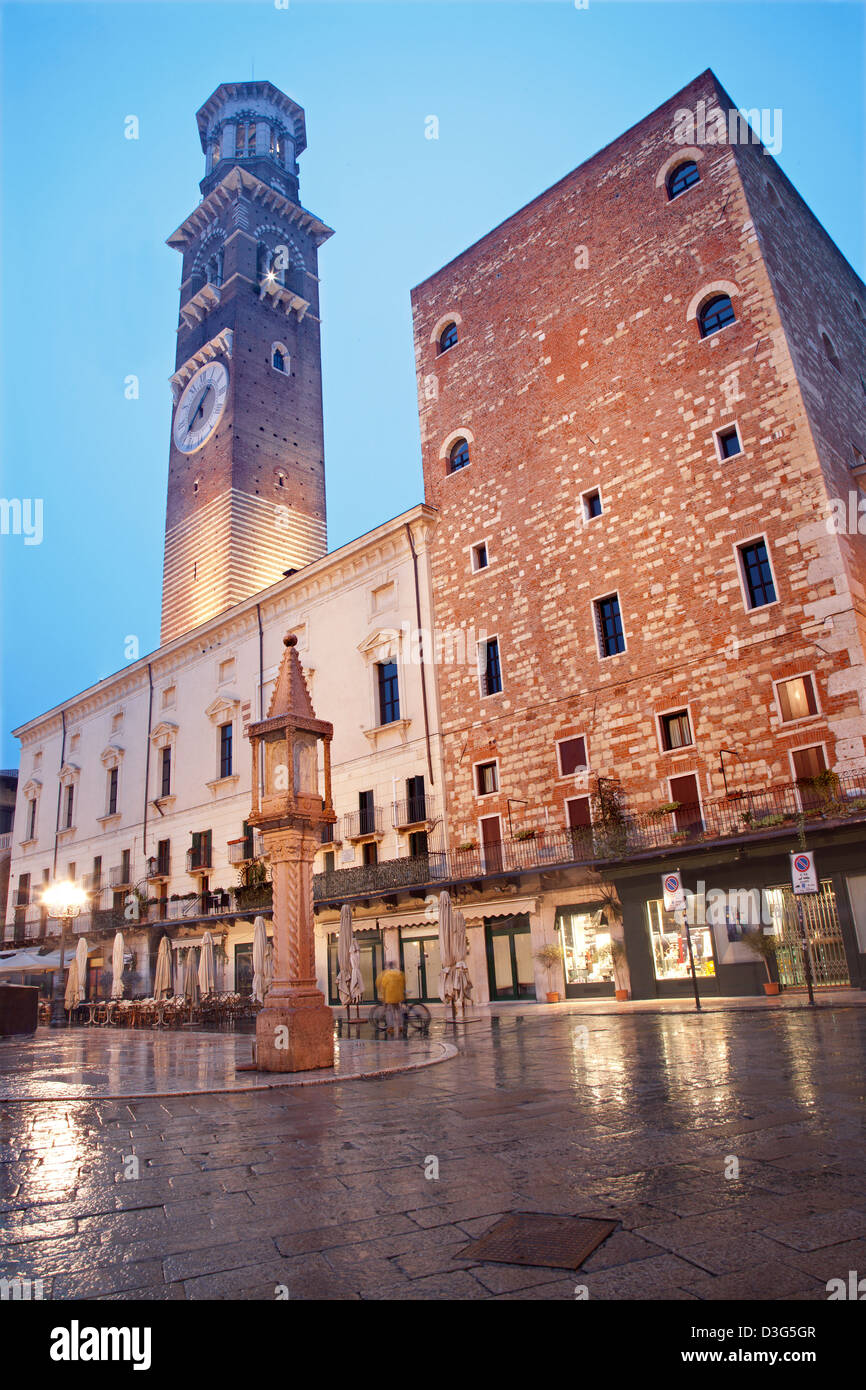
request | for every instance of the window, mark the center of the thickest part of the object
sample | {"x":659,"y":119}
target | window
{"x":491,"y":671}
{"x":416,"y":799}
{"x":757,"y":574}
{"x":578,"y":812}
{"x":480,"y":559}
{"x":389,"y":692}
{"x":796,"y":698}
{"x":676,"y":730}
{"x":165,"y":772}
{"x":366,"y":813}
{"x":245,"y":139}
{"x":96,"y":876}
{"x":370,"y":852}
{"x":609,"y":624}
{"x":418,"y":846}
{"x":458,"y":456}
{"x":808,"y":763}
{"x":487,"y":778}
{"x":572,"y":755}
{"x":200,"y":854}
{"x":280,"y":359}
{"x":163,"y":857}
{"x":112,"y":791}
{"x":591,"y":504}
{"x":683,"y":177}
{"x":225,"y":750}
{"x":23,"y":898}
{"x":31,"y":819}
{"x":717,"y":313}
{"x":125,"y":875}
{"x":70,"y":804}
{"x":329,"y":860}
{"x":830,"y":352}
{"x":728,"y":442}
{"x":448,"y":337}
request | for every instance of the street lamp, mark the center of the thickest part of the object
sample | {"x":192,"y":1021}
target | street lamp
{"x":62,"y":902}
{"x":294,"y":1029}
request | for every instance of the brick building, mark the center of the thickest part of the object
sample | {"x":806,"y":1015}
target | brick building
{"x":639,"y":397}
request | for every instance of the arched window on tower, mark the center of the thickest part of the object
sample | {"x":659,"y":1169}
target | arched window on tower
{"x":717,"y":313}
{"x":683,"y":177}
{"x":448,"y":337}
{"x":280,"y":358}
{"x":458,"y":456}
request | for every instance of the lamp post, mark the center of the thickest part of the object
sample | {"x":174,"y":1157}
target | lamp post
{"x":62,"y":902}
{"x":294,"y":1029}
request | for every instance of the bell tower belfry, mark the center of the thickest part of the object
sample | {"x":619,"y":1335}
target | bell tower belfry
{"x":246,"y":478}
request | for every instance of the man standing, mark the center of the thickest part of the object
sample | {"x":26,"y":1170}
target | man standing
{"x":391,"y":985}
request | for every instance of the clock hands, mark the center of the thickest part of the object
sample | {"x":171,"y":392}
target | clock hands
{"x":198,"y":410}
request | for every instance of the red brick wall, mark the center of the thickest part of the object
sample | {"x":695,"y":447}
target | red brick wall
{"x":570,"y":378}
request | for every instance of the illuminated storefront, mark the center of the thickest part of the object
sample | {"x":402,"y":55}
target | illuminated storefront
{"x":669,"y":947}
{"x":585,"y":940}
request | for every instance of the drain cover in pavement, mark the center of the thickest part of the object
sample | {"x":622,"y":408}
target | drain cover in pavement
{"x":531,"y":1238}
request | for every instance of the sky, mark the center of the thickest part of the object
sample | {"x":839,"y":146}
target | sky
{"x":523,"y":93}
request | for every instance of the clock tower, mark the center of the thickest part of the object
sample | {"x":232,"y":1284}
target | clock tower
{"x":246,"y":477}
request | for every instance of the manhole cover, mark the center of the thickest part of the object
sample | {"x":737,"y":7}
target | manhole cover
{"x":530,"y":1238}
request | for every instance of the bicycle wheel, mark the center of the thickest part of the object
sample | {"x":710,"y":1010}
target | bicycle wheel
{"x":418,"y":1018}
{"x":377,"y":1018}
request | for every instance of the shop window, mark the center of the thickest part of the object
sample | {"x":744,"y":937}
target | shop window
{"x":796,"y":698}
{"x":669,"y":947}
{"x":585,"y":940}
{"x":370,"y":962}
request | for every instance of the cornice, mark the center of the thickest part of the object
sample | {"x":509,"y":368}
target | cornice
{"x":237,"y":182}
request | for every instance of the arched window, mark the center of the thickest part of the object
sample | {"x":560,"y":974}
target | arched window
{"x":830,"y":352}
{"x":458,"y":456}
{"x":448,"y":337}
{"x":717,"y":313}
{"x":280,"y":358}
{"x":683,"y":177}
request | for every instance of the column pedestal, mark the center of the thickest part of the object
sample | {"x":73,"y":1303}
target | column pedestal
{"x":294,"y":1033}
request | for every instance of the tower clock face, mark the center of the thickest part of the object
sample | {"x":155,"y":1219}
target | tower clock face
{"x":200,"y":407}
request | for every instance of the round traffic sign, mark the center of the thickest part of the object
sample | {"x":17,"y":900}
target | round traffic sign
{"x":672,"y":883}
{"x":802,"y":863}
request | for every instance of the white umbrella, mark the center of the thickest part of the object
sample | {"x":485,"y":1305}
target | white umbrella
{"x":260,"y":959}
{"x":81,"y":961}
{"x":117,"y":967}
{"x":207,"y":965}
{"x":190,"y":978}
{"x":162,"y":975}
{"x":269,"y":965}
{"x":349,"y":984}
{"x":72,"y":995}
{"x":454,"y":982}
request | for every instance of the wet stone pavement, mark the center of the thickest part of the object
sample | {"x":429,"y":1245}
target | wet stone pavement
{"x":325,"y":1190}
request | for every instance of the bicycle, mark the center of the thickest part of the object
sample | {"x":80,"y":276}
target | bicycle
{"x":415,"y":1018}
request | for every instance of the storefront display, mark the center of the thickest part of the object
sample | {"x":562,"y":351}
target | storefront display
{"x":670,"y":951}
{"x":585,"y":940}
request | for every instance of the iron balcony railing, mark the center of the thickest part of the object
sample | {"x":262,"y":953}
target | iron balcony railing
{"x":358,"y":824}
{"x":415,"y":810}
{"x":120,"y":876}
{"x":159,"y":866}
{"x":244,"y":850}
{"x":199,"y":861}
{"x":5,"y":841}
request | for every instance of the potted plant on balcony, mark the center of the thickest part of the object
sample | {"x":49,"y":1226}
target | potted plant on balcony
{"x":765,"y":945}
{"x":526,"y":834}
{"x":550,"y":956}
{"x":254,"y":886}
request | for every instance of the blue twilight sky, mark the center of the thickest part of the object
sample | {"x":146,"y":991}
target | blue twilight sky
{"x":523,"y":92}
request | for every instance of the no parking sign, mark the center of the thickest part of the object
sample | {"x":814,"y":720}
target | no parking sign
{"x":674,"y":894}
{"x":804,"y":875}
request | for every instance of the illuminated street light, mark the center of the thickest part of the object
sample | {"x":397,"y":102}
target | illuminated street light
{"x":62,"y":901}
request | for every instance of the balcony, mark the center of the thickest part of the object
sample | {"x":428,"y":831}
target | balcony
{"x":245,"y":850}
{"x":199,"y":861}
{"x":159,"y":867}
{"x":330,"y":834}
{"x":120,"y":876}
{"x":776,"y":812}
{"x":364,"y":825}
{"x":6,"y":842}
{"x":416,"y":810}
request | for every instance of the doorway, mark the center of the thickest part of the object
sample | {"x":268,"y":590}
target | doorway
{"x":684,"y":789}
{"x":421,"y":964}
{"x":509,"y":957}
{"x":491,"y":844}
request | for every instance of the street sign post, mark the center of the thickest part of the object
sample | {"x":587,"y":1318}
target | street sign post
{"x":675,"y":901}
{"x":804,"y":879}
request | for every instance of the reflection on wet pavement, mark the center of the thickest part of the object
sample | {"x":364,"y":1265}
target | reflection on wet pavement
{"x":85,"y":1063}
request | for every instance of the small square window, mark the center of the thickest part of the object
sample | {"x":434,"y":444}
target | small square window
{"x":797,"y":698}
{"x":728,"y":442}
{"x":487,"y":778}
{"x":675,"y":730}
{"x":480,"y":559}
{"x":572,"y":755}
{"x":591,"y":504}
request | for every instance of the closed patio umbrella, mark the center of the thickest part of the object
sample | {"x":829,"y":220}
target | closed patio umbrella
{"x":162,"y":976}
{"x":117,"y":966}
{"x":72,"y":995}
{"x":81,"y":961}
{"x":454,"y":982}
{"x":260,"y":959}
{"x":190,"y":976}
{"x":349,"y":984}
{"x":207,"y":965}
